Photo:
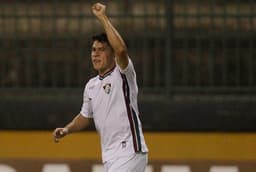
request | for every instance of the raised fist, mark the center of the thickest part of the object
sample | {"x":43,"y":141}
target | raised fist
{"x":98,"y":9}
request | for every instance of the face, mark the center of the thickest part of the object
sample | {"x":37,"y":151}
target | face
{"x":102,"y":57}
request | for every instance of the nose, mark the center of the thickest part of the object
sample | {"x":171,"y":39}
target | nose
{"x":96,"y":52}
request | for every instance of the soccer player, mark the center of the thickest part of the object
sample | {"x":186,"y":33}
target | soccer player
{"x":110,"y":99}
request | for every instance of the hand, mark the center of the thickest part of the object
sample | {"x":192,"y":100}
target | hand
{"x":99,"y":9}
{"x":59,"y":133}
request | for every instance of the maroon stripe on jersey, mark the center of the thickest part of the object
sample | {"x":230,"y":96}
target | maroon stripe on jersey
{"x":126,"y":92}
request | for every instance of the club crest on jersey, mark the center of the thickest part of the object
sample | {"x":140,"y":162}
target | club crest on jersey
{"x":107,"y":88}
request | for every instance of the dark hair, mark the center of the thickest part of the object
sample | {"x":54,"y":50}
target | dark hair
{"x":102,"y":37}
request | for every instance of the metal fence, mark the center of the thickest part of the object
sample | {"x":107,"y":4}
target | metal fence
{"x":177,"y":46}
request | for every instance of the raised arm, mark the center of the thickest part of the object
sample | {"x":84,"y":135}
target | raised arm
{"x":115,"y":40}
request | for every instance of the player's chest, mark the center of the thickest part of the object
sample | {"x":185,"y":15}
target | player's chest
{"x":105,"y":89}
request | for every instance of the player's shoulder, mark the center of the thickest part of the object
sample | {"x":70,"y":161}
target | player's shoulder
{"x":128,"y":69}
{"x":93,"y":79}
{"x":91,"y":82}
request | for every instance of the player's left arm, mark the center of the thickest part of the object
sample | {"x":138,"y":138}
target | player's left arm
{"x":115,"y":39}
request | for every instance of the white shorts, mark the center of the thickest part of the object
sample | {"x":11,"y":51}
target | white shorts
{"x":134,"y":163}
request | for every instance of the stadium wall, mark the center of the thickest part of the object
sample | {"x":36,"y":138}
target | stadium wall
{"x":51,"y":108}
{"x":200,"y":152}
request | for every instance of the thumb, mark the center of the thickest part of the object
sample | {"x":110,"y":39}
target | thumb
{"x":64,"y":131}
{"x":96,"y":7}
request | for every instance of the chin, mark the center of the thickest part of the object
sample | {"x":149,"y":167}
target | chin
{"x":96,"y":67}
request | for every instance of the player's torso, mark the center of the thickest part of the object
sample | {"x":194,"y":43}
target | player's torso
{"x":108,"y":106}
{"x":114,"y":110}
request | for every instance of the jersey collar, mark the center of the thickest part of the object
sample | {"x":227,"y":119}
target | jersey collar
{"x":101,"y":77}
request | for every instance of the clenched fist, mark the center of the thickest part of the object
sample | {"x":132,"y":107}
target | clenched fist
{"x":98,"y":9}
{"x":59,"y":133}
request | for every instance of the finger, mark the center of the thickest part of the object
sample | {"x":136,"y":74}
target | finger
{"x":57,"y":133}
{"x":98,"y":7}
{"x":95,"y":7}
{"x":56,"y":140}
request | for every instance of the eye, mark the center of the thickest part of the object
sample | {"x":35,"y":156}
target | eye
{"x":102,"y":49}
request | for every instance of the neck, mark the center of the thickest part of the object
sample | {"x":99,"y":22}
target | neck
{"x":106,"y":71}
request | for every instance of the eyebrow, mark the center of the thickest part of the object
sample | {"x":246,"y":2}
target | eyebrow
{"x":103,"y":47}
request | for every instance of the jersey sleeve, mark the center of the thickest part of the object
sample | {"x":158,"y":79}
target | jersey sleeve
{"x":129,"y":70}
{"x":86,"y":109}
{"x":130,"y":75}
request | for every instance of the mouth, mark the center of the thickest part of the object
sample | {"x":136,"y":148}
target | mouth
{"x":96,"y":62}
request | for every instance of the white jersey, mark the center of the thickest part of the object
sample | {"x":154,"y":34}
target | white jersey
{"x":111,"y":100}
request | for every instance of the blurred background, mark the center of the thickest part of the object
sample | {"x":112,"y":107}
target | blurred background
{"x":195,"y":63}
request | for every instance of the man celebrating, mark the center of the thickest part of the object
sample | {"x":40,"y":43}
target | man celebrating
{"x":110,"y":99}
